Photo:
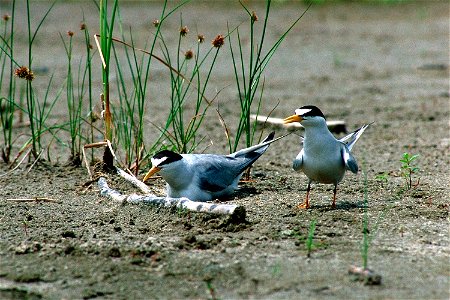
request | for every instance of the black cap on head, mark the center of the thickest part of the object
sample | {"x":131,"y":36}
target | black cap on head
{"x":165,"y":157}
{"x":309,"y":111}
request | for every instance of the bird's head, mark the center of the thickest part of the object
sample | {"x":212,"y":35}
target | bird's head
{"x":162,"y":160}
{"x":308,"y":114}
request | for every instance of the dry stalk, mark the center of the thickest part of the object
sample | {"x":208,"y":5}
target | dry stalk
{"x":35,"y":199}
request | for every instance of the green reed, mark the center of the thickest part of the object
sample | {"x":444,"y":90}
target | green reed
{"x":130,"y":111}
{"x":187,"y":79}
{"x":6,"y":102}
{"x":88,"y":76}
{"x":249,"y":71}
{"x":106,"y":39}
{"x":74,"y":102}
{"x":309,"y":241}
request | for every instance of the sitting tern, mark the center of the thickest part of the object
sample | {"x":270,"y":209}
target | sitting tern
{"x":323,"y":159}
{"x":205,"y":177}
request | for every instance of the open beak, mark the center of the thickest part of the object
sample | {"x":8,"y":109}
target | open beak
{"x":150,"y":173}
{"x":293,"y":118}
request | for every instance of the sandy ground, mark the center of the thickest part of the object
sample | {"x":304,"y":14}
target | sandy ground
{"x":357,"y":62}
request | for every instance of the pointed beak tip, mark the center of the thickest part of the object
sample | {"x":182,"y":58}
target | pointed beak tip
{"x":150,"y":173}
{"x":291,"y":119}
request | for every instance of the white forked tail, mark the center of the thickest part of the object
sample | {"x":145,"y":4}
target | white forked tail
{"x":351,"y":139}
{"x":266,"y":142}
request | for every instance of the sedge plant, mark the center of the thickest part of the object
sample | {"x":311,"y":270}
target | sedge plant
{"x":188,"y":79}
{"x":7,"y":63}
{"x":37,"y":111}
{"x":106,"y":39}
{"x":74,"y":103}
{"x":88,"y":76}
{"x":129,"y":114}
{"x":34,"y":109}
{"x":249,"y":71}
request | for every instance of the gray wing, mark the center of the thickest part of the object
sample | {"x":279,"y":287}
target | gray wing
{"x":217,"y":172}
{"x":349,"y":160}
{"x":298,"y":161}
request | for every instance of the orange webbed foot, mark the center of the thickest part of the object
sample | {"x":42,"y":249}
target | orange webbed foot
{"x":304,"y":205}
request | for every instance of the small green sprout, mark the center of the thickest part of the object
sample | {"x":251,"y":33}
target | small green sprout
{"x":383,"y":178}
{"x":309,"y":240}
{"x":211,"y":290}
{"x":408,"y":169}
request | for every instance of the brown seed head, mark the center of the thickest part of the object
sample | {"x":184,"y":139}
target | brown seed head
{"x":24,"y":72}
{"x":218,"y":41}
{"x":184,"y":30}
{"x":254,"y":17}
{"x":70,"y":33}
{"x":82,"y":26}
{"x":156,"y":22}
{"x":6,"y":17}
{"x":200,"y":38}
{"x":189,"y":54}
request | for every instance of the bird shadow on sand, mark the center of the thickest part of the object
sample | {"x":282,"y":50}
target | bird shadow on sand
{"x":340,"y":205}
{"x":245,"y":191}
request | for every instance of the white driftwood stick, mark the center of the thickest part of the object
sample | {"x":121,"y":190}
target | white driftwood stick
{"x":235,"y":211}
{"x":338,"y":125}
{"x":134,"y":181}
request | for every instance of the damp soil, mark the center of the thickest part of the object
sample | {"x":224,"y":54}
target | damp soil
{"x":359,"y":63}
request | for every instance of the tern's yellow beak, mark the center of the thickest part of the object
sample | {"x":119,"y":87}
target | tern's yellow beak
{"x":150,"y":173}
{"x":293,"y":118}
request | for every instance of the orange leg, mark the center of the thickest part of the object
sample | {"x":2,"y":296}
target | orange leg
{"x":333,"y":205}
{"x":305,"y":205}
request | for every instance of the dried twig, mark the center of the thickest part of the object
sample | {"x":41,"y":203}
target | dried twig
{"x":35,"y":161}
{"x":20,"y":162}
{"x":106,"y":143}
{"x":35,"y":199}
{"x":134,"y":181}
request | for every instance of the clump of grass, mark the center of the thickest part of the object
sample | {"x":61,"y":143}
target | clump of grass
{"x":88,"y":76}
{"x":106,"y":39}
{"x":408,"y":169}
{"x":35,"y":111}
{"x":249,"y":72}
{"x":188,"y":80}
{"x":74,"y":103}
{"x":130,"y":111}
{"x":6,"y":102}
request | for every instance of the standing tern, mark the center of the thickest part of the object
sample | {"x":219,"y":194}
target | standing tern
{"x":205,"y":177}
{"x":323,"y":159}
